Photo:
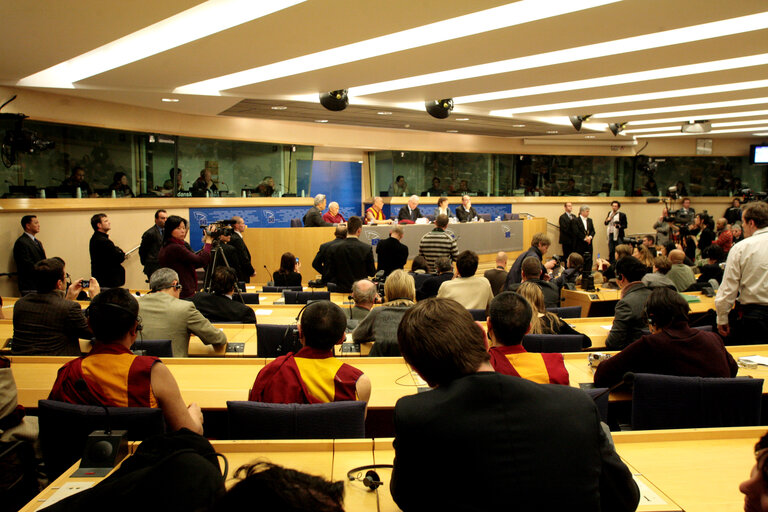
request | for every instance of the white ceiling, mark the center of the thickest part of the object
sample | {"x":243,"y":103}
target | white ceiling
{"x":41,"y":34}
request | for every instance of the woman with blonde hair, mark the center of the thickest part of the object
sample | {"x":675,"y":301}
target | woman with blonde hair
{"x":544,"y":322}
{"x":380,"y":326}
{"x":643,"y":254}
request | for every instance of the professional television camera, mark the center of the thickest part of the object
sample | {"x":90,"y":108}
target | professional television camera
{"x":219,"y":228}
{"x":18,"y":140}
{"x":750,"y":195}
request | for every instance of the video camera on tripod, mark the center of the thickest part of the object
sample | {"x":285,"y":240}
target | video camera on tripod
{"x":221,"y":227}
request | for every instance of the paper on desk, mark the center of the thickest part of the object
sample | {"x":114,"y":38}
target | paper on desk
{"x":263,"y":312}
{"x":647,"y":496}
{"x":755,"y":359}
{"x":65,"y":491}
{"x":606,"y":327}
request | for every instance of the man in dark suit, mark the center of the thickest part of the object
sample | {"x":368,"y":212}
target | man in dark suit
{"x":320,"y":263}
{"x":466,"y":212}
{"x":617,"y":223}
{"x":410,"y":212}
{"x":151,"y":243}
{"x":314,"y":216}
{"x":532,"y":272}
{"x":392,"y":254}
{"x":498,"y":276}
{"x":543,"y":445}
{"x":540,"y":244}
{"x":245,"y":269}
{"x":106,"y":257}
{"x":430,"y":287}
{"x":221,"y":305}
{"x":26,"y":252}
{"x":583,"y":232}
{"x":350,"y":259}
{"x":566,"y":236}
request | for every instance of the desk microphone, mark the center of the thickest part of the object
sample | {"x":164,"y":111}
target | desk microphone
{"x":628,"y":378}
{"x":269,"y":277}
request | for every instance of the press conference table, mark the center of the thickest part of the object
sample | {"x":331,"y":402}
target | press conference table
{"x":692,"y":470}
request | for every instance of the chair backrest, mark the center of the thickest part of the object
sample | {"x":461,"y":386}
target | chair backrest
{"x":275,"y":340}
{"x":279,"y":289}
{"x":511,"y":216}
{"x":292,"y":297}
{"x":665,"y":401}
{"x":478,"y":315}
{"x":600,"y":397}
{"x":485,"y":216}
{"x":157,"y":348}
{"x":552,"y":342}
{"x":296,"y":223}
{"x":65,"y":427}
{"x":250,"y":298}
{"x":566,"y":311}
{"x":334,"y":420}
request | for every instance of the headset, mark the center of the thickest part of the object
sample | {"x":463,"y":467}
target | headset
{"x":290,"y":341}
{"x":131,"y":314}
{"x":371,"y":479}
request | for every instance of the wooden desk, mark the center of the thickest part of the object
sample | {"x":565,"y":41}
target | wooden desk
{"x":602,"y":302}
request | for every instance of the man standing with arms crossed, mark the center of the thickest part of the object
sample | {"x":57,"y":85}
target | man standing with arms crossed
{"x":151,"y":243}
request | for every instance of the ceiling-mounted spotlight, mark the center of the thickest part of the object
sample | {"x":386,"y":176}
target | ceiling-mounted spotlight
{"x":577,"y":120}
{"x":696,"y":127}
{"x":439,"y":108}
{"x":334,"y":100}
{"x":616,"y":128}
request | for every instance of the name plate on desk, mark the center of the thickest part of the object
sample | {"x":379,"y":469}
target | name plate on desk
{"x":236,"y":347}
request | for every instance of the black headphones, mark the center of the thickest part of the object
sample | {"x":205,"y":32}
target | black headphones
{"x":134,"y":316}
{"x":371,"y":479}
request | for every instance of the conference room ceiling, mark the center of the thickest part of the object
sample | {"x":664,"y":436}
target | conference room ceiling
{"x":40,"y":35}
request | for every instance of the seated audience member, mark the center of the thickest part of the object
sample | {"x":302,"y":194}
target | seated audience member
{"x":680,"y":273}
{"x":572,"y":271}
{"x":733,"y":213}
{"x":531,"y":270}
{"x":165,"y":316}
{"x":658,"y":278}
{"x":391,"y":252}
{"x":313,"y":375}
{"x":333,"y":215}
{"x":544,"y":322}
{"x":608,"y":270}
{"x":288,"y":273}
{"x":435,"y":189}
{"x":469,"y":290}
{"x":643,"y":254}
{"x":755,"y":488}
{"x":649,"y":241}
{"x":628,"y":319}
{"x":542,"y":445}
{"x":498,"y":276}
{"x":320,"y":263}
{"x":672,"y":348}
{"x":442,"y":208}
{"x":380,"y":326}
{"x":280,"y":489}
{"x":671,"y":246}
{"x":539,"y":246}
{"x":365,"y":296}
{"x":711,"y":269}
{"x":509,"y":320}
{"x":221,"y":305}
{"x":15,"y":425}
{"x":50,"y":322}
{"x":737,"y":233}
{"x":204,"y":184}
{"x":431,"y":286}
{"x":724,"y":236}
{"x":420,"y":271}
{"x":114,"y":376}
{"x":120,"y":185}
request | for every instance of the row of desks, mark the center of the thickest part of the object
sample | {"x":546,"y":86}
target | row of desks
{"x":211,"y":382}
{"x":675,"y":469}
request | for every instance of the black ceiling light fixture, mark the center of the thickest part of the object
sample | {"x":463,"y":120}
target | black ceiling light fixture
{"x":335,"y":100}
{"x":616,"y":128}
{"x":576,"y":121}
{"x":439,"y":108}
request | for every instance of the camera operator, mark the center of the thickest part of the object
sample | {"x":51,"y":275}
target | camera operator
{"x":685,"y":214}
{"x":176,"y":255}
{"x":617,"y":223}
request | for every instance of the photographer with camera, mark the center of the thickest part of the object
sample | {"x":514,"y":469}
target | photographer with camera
{"x":617,"y":223}
{"x":177,"y":255}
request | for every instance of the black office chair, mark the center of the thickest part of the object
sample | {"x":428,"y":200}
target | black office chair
{"x":548,"y":343}
{"x":276,"y":340}
{"x":303,"y":297}
{"x":334,"y":420}
{"x":566,"y":312}
{"x":600,"y":397}
{"x":157,"y":348}
{"x":279,"y":289}
{"x":511,"y":216}
{"x":296,"y":223}
{"x":485,"y":216}
{"x":65,"y":427}
{"x":665,"y":401}
{"x":250,"y":298}
{"x":479,"y":314}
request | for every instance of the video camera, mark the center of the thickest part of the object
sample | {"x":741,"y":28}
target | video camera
{"x":378,"y":280}
{"x":17,"y":140}
{"x":750,"y":195}
{"x":219,"y":228}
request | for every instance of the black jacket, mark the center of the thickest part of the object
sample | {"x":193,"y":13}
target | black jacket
{"x":320,"y":263}
{"x":245,"y":268}
{"x":314,"y":218}
{"x":151,"y":243}
{"x":218,"y":308}
{"x":392,"y":254}
{"x":550,"y":290}
{"x":622,"y":224}
{"x":577,"y":228}
{"x":432,"y":285}
{"x":405,"y":215}
{"x":464,"y":215}
{"x":566,"y":230}
{"x":106,"y":261}
{"x":27,"y":252}
{"x":349,"y":261}
{"x":515,"y":273}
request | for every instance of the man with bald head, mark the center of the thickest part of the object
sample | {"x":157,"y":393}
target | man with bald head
{"x":680,"y":273}
{"x":375,"y":214}
{"x":333,"y":216}
{"x":391,"y":252}
{"x":410,"y":212}
{"x":724,"y":236}
{"x":466,"y":212}
{"x":365,"y":296}
{"x":498,"y":276}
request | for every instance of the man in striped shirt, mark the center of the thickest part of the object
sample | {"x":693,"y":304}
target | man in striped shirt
{"x":438,"y":243}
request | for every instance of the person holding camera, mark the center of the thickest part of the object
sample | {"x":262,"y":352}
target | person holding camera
{"x":617,"y":223}
{"x":176,"y":254}
{"x":288,"y":273}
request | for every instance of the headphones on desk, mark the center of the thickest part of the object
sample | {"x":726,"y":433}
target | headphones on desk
{"x":371,"y":479}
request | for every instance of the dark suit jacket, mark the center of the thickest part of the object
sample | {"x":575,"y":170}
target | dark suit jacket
{"x":218,"y":308}
{"x":46,"y":324}
{"x":518,"y":445}
{"x":515,"y":273}
{"x":245,"y":270}
{"x":349,"y":261}
{"x":27,"y":252}
{"x":431,"y":285}
{"x":577,"y":228}
{"x":629,"y":317}
{"x":550,"y":290}
{"x":566,"y":235}
{"x":106,"y":261}
{"x":314,"y":218}
{"x":498,"y":278}
{"x":465,"y":216}
{"x":320,"y":263}
{"x":392,"y":254}
{"x":151,"y":243}
{"x":622,"y":224}
{"x":405,"y":215}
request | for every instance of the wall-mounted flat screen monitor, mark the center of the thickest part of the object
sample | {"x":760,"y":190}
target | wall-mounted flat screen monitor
{"x":758,"y":154}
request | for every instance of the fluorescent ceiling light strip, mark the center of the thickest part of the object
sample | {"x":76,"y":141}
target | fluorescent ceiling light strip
{"x":681,"y":108}
{"x":648,"y":96}
{"x":713,"y":132}
{"x":627,"y":78}
{"x":504,"y":16}
{"x":630,"y":44}
{"x":652,"y":130}
{"x":726,"y":115}
{"x":761,"y":134}
{"x":739,"y":123}
{"x":200,"y":21}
